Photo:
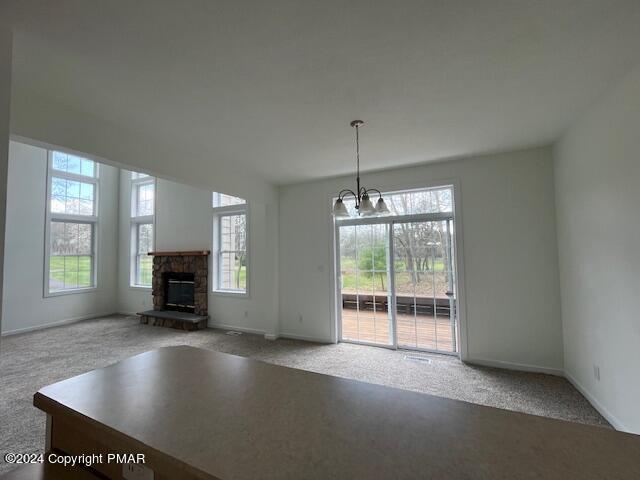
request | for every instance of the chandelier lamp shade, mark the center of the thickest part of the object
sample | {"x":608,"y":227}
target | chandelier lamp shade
{"x":364,"y":205}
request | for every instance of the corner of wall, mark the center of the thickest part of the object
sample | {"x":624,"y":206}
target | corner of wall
{"x":596,"y":173}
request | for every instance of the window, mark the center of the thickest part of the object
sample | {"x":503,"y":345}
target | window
{"x":223,"y":200}
{"x":143,"y":189}
{"x":72,"y":217}
{"x":233,"y":252}
{"x":138,"y":175}
{"x":144,"y":198}
{"x":230,"y":244}
{"x":412,"y":202}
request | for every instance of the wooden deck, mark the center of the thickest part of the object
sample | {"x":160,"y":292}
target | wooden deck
{"x":419,"y":331}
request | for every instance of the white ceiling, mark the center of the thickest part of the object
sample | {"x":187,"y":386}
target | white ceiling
{"x":270,"y":86}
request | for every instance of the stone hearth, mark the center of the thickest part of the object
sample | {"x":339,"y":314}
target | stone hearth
{"x":173,"y":319}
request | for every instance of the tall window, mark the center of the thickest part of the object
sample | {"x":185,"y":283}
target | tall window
{"x":143,"y":189}
{"x":72,"y":217}
{"x":230,"y":244}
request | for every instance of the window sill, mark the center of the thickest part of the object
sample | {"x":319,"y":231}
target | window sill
{"x":230,"y":293}
{"x":139,"y":287}
{"x":70,"y":292}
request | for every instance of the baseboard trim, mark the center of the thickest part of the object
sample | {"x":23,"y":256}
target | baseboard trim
{"x":56,"y":323}
{"x":522,"y":367}
{"x":305,"y":338}
{"x":615,"y":423}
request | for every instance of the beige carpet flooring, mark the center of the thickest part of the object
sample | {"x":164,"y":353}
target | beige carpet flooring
{"x":32,"y":360}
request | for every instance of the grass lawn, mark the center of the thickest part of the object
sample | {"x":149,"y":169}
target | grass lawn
{"x":242,"y":278}
{"x":145,"y":271}
{"x":70,"y":272}
{"x":238,"y":279}
{"x":354,"y":279}
{"x":75,"y":271}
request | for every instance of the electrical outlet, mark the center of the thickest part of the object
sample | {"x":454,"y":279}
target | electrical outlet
{"x":136,"y":471}
{"x":596,"y":372}
{"x":300,"y":318}
{"x":246,"y":314}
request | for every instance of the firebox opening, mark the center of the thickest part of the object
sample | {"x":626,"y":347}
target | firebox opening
{"x":179,"y":291}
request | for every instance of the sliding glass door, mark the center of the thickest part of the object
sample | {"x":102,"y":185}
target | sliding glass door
{"x":364,"y":284}
{"x":396,"y":282}
{"x":424,"y":285}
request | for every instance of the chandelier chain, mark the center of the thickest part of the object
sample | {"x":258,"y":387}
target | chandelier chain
{"x":358,"y":164}
{"x":358,"y":150}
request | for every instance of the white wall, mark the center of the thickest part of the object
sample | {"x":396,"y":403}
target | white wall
{"x":34,"y":117}
{"x":510,"y":255}
{"x":597,"y":170}
{"x":184,"y":221}
{"x":25,"y":307}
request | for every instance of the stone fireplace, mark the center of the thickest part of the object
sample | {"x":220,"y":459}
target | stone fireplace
{"x":179,"y":289}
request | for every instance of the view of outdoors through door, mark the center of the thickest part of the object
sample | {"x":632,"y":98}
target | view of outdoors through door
{"x":424,"y":285}
{"x":397,"y":274}
{"x":364,"y":254}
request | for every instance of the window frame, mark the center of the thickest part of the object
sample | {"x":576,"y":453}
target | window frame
{"x":92,"y":220}
{"x":135,"y":182}
{"x":216,"y":270}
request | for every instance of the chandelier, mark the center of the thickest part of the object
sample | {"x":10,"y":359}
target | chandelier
{"x":364,"y":206}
